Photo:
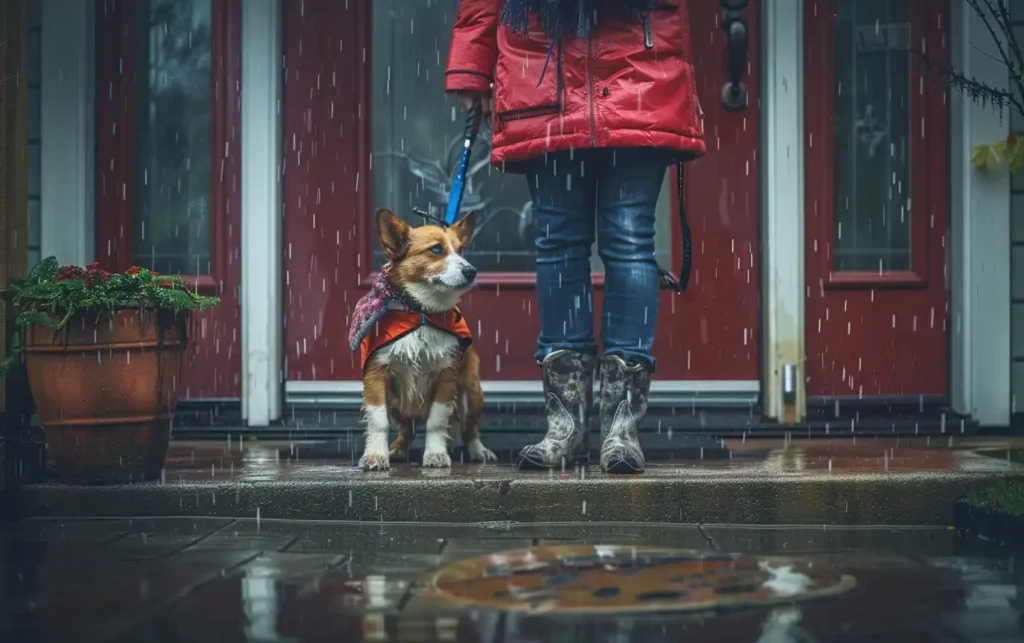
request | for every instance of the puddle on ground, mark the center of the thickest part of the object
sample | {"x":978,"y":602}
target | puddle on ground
{"x":608,"y":578}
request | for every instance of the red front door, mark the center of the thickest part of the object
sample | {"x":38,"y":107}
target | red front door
{"x":367,"y":124}
{"x":168,"y":161}
{"x":877,"y":199}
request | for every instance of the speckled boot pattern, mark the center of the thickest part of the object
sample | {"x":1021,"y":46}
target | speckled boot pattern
{"x":568,"y":393}
{"x":624,"y":389}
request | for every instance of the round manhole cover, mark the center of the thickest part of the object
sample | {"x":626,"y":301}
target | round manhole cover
{"x":597,"y":578}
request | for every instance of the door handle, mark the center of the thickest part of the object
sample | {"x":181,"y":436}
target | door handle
{"x":734,"y":23}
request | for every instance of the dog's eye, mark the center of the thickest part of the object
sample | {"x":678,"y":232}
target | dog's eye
{"x":437,"y":249}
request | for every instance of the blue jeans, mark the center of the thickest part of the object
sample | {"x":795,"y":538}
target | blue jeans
{"x":620,"y":187}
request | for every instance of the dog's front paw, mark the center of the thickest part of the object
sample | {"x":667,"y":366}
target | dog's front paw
{"x":375,"y":461}
{"x":437,"y":459}
{"x":479,"y":453}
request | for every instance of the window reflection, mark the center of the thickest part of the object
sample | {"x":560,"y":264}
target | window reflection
{"x":417,"y":133}
{"x":417,"y":137}
{"x":871,"y":135}
{"x":172,"y":135}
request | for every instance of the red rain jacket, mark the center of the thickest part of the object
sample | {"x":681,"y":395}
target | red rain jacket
{"x":628,"y":84}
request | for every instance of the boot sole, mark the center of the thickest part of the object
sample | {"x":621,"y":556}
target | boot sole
{"x":623,"y":468}
{"x":528,"y":464}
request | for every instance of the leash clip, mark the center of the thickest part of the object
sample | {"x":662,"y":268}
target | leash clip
{"x":669,"y":280}
{"x":430,"y":217}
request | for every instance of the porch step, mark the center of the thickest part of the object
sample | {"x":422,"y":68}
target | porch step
{"x":815,"y":482}
{"x":216,"y":421}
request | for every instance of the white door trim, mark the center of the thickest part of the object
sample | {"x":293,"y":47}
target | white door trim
{"x":67,"y":131}
{"x":739,"y":393}
{"x":980,"y":228}
{"x":782,"y":151}
{"x":261,"y":289}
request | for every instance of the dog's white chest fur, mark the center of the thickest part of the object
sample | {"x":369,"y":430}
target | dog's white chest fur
{"x":414,"y":361}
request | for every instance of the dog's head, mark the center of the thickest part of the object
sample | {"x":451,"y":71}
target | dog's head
{"x":426,"y":262}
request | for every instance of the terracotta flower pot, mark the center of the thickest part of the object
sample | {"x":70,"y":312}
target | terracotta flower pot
{"x":105,"y":388}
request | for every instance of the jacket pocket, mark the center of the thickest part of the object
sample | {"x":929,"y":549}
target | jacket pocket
{"x":530,"y":112}
{"x":527,"y":82}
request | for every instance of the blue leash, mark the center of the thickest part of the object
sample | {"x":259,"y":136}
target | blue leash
{"x":473,"y":119}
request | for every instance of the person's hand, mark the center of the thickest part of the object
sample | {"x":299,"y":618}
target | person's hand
{"x":467,"y":99}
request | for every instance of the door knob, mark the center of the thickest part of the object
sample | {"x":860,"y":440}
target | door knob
{"x":734,"y":23}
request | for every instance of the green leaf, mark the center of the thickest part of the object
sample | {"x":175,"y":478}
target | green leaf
{"x":45,"y":270}
{"x":33,"y":317}
{"x":173,"y":299}
{"x":8,"y":364}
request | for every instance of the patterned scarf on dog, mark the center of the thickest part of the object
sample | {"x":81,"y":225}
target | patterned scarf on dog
{"x":372,"y":306}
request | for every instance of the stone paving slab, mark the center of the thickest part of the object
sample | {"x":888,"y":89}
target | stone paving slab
{"x":789,"y":539}
{"x":70,"y":580}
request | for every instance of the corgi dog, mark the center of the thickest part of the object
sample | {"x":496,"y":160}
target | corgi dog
{"x":418,"y":360}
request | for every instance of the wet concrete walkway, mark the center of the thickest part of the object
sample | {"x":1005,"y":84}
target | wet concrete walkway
{"x":221,"y":580}
{"x":843,"y":481}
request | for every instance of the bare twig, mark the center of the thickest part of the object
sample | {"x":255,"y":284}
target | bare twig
{"x":995,"y":16}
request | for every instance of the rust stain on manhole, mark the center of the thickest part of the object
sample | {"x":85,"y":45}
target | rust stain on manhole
{"x":597,"y":578}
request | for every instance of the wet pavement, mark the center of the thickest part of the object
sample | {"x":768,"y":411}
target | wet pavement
{"x":815,"y":482}
{"x":198,"y":580}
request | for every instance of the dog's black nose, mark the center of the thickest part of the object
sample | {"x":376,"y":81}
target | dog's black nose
{"x":469,"y":272}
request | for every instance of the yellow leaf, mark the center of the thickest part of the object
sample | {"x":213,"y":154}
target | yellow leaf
{"x":980,"y":155}
{"x":989,"y":156}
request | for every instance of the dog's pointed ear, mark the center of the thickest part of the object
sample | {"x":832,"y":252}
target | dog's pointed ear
{"x":393,"y":233}
{"x":464,"y":227}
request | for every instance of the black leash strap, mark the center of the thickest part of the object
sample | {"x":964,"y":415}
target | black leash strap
{"x":668,"y":279}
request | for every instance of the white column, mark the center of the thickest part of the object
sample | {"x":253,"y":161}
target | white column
{"x":263,"y":385}
{"x":67,"y":130}
{"x":782,"y":108}
{"x":980,"y":248}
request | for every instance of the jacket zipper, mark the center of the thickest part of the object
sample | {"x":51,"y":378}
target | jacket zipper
{"x":648,"y":36}
{"x":590,"y":90}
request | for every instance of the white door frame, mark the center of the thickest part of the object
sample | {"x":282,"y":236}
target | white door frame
{"x":733,"y":393}
{"x":262,"y":247}
{"x":67,"y":125}
{"x":783,"y":283}
{"x":980,"y":269}
{"x":980,"y":233}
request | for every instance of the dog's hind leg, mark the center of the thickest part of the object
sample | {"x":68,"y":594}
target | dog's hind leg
{"x":400,"y":447}
{"x":471,"y":409}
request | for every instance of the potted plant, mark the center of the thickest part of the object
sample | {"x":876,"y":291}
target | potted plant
{"x":994,"y":512}
{"x":103,"y":356}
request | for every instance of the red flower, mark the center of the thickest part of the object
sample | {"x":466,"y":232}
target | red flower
{"x":165,"y":284}
{"x":69,"y":273}
{"x":134,"y":270}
